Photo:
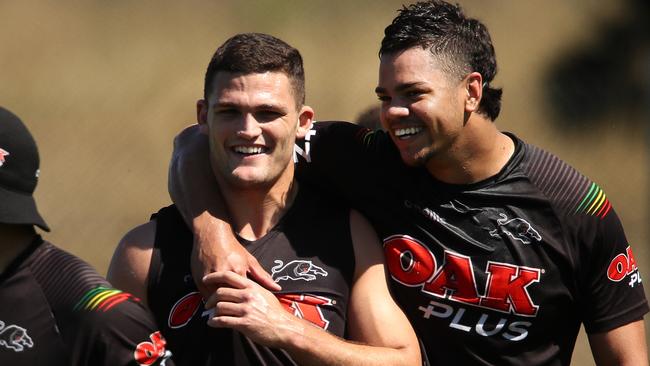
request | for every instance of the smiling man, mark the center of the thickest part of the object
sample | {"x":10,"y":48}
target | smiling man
{"x":498,"y":250}
{"x":326,"y":258}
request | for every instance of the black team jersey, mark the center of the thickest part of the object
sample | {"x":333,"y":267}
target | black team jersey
{"x":309,"y":253}
{"x":56,"y":310}
{"x":500,"y":272}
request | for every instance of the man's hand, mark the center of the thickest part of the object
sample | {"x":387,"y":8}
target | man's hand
{"x":245,"y":306}
{"x":214,"y":251}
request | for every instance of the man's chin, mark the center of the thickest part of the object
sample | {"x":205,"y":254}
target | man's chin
{"x":413,"y":160}
{"x":246,"y":181}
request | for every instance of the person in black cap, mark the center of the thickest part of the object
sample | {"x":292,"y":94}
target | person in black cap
{"x":55,"y":308}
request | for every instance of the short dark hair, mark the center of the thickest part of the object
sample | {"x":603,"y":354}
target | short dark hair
{"x":257,"y":53}
{"x":462,"y":44}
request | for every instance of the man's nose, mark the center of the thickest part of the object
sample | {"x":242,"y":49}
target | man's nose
{"x":394,"y":110}
{"x":250,"y":127}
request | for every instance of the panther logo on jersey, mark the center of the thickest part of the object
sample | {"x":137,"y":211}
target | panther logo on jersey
{"x":296,"y":270}
{"x":498,"y":223}
{"x":3,"y":153}
{"x":14,"y":337}
{"x":518,"y":229}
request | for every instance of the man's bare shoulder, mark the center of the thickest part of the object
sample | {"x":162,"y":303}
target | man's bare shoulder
{"x":140,"y":237}
{"x":129,"y":267}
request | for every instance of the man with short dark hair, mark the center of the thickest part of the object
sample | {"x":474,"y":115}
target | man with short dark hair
{"x":498,"y":250}
{"x":326,"y":257}
{"x":55,"y":309}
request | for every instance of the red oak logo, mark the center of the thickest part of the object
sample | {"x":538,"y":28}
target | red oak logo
{"x":184,"y":309}
{"x":306,"y":307}
{"x":623,"y":265}
{"x":3,"y":153}
{"x":146,"y":353}
{"x":412,"y":264}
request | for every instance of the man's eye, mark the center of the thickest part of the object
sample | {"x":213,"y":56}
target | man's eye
{"x":413,"y":93}
{"x":268,"y":115}
{"x":227,"y":112}
{"x":383,"y":98}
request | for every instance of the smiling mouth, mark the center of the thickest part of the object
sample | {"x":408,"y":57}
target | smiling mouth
{"x":250,"y":150}
{"x":404,"y":133}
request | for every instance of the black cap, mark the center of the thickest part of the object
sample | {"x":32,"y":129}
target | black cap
{"x":18,"y":173}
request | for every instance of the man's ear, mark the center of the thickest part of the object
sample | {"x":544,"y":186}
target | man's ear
{"x":474,"y":89}
{"x":202,"y":115}
{"x":305,"y":119}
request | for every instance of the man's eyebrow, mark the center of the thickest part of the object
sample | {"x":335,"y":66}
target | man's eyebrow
{"x":270,"y":106}
{"x":218,"y":104}
{"x":263,"y":106}
{"x":398,"y":88}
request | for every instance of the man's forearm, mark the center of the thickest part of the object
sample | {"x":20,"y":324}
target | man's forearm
{"x":192,"y":185}
{"x":244,"y":306}
{"x":313,"y":346}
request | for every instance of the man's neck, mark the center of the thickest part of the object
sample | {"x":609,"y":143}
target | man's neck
{"x":478,"y":154}
{"x":255,"y":211}
{"x":14,"y":239}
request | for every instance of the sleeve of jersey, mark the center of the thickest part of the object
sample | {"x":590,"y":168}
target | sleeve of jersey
{"x":340,"y":157}
{"x":612,"y":288}
{"x":115,"y":329}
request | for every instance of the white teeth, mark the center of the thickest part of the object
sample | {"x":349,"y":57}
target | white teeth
{"x":248,"y":149}
{"x":404,"y":132}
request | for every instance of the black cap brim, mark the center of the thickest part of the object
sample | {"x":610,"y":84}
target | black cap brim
{"x":19,"y":209}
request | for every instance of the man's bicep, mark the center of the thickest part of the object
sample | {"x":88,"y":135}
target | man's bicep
{"x":129,"y":268}
{"x":614,"y":294}
{"x":373,"y":316}
{"x":625,"y":345}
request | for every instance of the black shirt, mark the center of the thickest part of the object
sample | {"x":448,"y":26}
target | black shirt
{"x":500,"y":272}
{"x":56,"y":310}
{"x":309,"y":253}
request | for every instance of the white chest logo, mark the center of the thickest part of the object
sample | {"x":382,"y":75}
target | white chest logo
{"x":296,"y":270}
{"x":14,"y":337}
{"x":517,"y":228}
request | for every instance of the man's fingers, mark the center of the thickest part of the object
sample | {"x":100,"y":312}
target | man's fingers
{"x":225,"y":294}
{"x":233,"y":262}
{"x":224,"y":322}
{"x":227,"y":278}
{"x":228,"y":309}
{"x":261,"y":276}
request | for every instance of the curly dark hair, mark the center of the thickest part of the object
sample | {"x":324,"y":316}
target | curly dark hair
{"x":461,"y":44}
{"x":249,"y":53}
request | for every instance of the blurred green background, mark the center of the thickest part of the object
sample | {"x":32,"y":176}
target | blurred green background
{"x":105,"y":85}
